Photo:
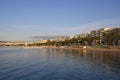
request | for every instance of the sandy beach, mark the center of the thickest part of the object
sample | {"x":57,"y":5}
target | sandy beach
{"x":69,"y":48}
{"x":97,"y":49}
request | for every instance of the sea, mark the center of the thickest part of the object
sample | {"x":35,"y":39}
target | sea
{"x":58,"y":64}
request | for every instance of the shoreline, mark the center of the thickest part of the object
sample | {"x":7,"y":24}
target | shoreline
{"x":95,"y":49}
{"x":69,"y":48}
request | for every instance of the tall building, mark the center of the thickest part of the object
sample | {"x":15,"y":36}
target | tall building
{"x":99,"y":32}
{"x":84,"y":35}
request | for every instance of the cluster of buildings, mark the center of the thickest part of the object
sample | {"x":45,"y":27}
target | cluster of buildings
{"x":93,"y":33}
{"x":21,"y":43}
{"x":11,"y":43}
{"x":99,"y":33}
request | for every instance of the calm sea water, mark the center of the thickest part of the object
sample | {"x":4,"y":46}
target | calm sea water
{"x":58,"y":64}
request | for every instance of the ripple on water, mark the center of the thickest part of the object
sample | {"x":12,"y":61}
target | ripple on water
{"x":46,"y":64}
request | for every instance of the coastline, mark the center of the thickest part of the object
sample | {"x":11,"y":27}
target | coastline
{"x":67,"y":48}
{"x":95,"y":49}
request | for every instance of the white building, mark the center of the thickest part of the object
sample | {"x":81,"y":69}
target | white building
{"x":62,"y":38}
{"x":99,"y":32}
{"x":41,"y":41}
{"x":84,"y":35}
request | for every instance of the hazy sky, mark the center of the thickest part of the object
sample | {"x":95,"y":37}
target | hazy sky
{"x":26,"y":19}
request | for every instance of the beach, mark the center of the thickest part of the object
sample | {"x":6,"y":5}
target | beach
{"x":97,"y":49}
{"x":69,"y":48}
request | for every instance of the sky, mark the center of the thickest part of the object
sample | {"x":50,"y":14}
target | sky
{"x":23,"y":20}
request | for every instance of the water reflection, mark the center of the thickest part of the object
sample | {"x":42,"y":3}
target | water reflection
{"x":59,"y":64}
{"x":108,"y":60}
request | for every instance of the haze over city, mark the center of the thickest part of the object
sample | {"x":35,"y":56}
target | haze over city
{"x":22,"y":20}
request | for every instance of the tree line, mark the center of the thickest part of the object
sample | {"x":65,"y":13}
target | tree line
{"x":108,"y":38}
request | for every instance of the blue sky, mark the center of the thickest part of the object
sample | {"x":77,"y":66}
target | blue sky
{"x":24,"y":19}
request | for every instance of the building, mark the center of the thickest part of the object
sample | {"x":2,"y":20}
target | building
{"x":71,"y":37}
{"x":99,"y":32}
{"x":41,"y":41}
{"x":62,"y":38}
{"x":84,"y":35}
